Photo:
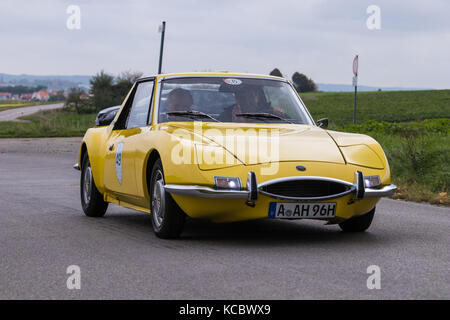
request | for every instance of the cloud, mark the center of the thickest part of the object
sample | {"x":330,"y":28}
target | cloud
{"x":316,"y":37}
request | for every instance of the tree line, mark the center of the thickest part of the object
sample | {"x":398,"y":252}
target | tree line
{"x":106,"y":91}
{"x":301,"y":82}
{"x":22,"y":89}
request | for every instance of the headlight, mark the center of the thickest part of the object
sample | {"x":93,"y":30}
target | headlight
{"x":372,"y":181}
{"x":227,"y":183}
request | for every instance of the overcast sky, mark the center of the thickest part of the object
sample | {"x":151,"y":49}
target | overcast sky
{"x":315,"y":37}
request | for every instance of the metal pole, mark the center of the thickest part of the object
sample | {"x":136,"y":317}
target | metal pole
{"x":162,"y":46}
{"x":354,"y":105}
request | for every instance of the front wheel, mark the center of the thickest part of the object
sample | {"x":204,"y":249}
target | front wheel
{"x":358,"y":224}
{"x":167,"y":218}
{"x":91,"y":199}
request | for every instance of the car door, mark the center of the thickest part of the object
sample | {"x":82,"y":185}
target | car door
{"x":121,"y":153}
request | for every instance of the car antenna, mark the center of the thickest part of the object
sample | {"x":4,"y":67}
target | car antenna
{"x":162,"y":29}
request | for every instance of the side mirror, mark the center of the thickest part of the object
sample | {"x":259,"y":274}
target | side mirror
{"x":323,"y":123}
{"x":106,"y":116}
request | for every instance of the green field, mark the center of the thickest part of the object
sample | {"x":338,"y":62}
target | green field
{"x":8,"y":105}
{"x":12,"y":104}
{"x":391,"y":106}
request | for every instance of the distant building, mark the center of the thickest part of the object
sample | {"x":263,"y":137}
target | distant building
{"x":26,"y":96}
{"x":42,"y":95}
{"x":5,"y":95}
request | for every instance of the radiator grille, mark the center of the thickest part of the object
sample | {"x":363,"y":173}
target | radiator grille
{"x":306,"y":188}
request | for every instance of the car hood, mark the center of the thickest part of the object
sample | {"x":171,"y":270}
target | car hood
{"x":261,"y":143}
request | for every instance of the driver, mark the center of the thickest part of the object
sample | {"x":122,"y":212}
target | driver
{"x":178,"y":99}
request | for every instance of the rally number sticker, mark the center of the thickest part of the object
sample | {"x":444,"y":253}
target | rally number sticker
{"x":119,"y":151}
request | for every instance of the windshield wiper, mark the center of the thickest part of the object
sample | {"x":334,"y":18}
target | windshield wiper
{"x":191,"y":113}
{"x":261,"y":115}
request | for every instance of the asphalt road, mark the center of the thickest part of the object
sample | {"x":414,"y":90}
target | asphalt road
{"x":13,"y":114}
{"x":43,"y":230}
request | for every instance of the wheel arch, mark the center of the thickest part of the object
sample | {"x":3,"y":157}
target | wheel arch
{"x":83,"y":151}
{"x":152,"y":157}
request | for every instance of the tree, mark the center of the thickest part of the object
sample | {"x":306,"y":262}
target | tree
{"x":125,"y":81}
{"x":130,"y":76}
{"x":59,"y":96}
{"x":76,"y":99}
{"x":276,"y":72}
{"x":302,"y":83}
{"x":107,"y":91}
{"x":102,"y":94}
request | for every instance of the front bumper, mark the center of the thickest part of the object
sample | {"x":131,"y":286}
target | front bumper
{"x":253,"y":189}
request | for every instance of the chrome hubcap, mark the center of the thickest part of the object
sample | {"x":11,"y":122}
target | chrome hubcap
{"x":158,"y":205}
{"x":87,"y":185}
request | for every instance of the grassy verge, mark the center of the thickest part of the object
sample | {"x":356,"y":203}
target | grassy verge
{"x":50,"y":123}
{"x":418,"y":155}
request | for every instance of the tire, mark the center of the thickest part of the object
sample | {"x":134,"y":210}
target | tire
{"x":358,"y":224}
{"x":167,"y":217}
{"x":91,"y":199}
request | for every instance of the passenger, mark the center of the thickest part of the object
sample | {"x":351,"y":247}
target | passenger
{"x":250,"y":99}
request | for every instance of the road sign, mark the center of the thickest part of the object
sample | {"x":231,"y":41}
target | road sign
{"x":355,"y":84}
{"x":355,"y":65}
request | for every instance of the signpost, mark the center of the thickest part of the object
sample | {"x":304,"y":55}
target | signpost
{"x":162,"y":29}
{"x":355,"y":84}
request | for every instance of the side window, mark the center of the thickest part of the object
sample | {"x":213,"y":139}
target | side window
{"x":140,"y":106}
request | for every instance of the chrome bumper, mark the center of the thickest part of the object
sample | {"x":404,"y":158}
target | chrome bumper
{"x":386,"y":191}
{"x":76,"y":166}
{"x":253,"y":189}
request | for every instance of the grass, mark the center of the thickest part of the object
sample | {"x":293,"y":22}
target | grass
{"x":13,"y":104}
{"x":418,"y":154}
{"x":49,"y":123}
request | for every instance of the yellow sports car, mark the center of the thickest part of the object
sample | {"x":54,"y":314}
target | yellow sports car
{"x":227,"y":147}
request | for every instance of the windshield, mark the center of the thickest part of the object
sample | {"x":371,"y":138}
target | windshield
{"x":230,"y":99}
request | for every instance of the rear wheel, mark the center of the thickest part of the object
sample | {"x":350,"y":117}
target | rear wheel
{"x":91,"y":199}
{"x":358,"y":224}
{"x":167,"y":218}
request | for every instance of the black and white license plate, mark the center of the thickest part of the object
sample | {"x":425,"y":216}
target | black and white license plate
{"x":302,"y":210}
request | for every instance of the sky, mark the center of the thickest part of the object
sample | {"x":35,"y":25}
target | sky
{"x":319,"y":38}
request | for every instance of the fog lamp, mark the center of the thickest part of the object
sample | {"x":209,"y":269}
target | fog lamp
{"x":372,"y":181}
{"x":227,"y":183}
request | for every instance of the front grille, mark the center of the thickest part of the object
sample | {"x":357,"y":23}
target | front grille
{"x":305,"y":188}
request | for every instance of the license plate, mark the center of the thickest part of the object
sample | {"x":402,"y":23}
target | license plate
{"x":302,"y":210}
